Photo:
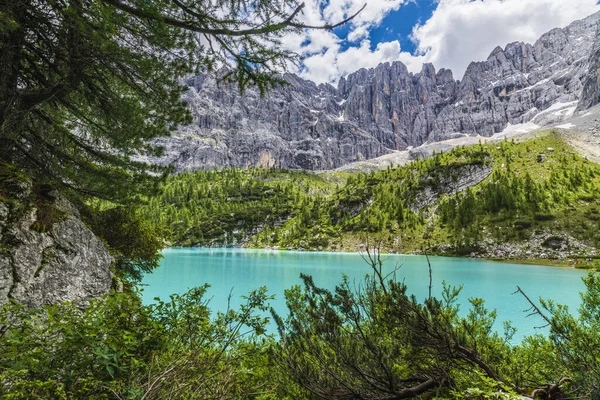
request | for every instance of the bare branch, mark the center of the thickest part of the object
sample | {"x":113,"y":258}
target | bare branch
{"x":430,"y":274}
{"x":196,"y":26}
{"x":329,"y":26}
{"x":538,"y":311}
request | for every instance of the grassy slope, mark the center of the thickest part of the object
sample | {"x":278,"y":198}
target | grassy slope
{"x":522,"y":199}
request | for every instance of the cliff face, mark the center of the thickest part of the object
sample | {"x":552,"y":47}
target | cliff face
{"x":47,"y":254}
{"x":373,"y":112}
{"x":297,"y":126}
{"x":590,"y":96}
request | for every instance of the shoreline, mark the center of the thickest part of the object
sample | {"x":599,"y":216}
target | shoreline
{"x":547,"y":262}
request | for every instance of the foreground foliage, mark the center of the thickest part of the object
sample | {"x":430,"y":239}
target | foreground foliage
{"x":371,"y":341}
{"x":119,"y":348}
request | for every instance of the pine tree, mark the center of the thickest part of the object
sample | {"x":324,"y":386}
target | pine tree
{"x":85,"y":85}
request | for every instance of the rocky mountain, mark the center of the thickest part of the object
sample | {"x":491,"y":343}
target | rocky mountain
{"x":377,"y":111}
{"x":590,"y":96}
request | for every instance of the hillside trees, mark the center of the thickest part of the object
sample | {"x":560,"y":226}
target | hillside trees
{"x":413,"y":206}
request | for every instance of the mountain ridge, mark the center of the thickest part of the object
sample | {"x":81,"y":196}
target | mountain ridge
{"x":380,"y":110}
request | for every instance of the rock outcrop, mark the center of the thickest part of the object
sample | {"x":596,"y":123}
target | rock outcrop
{"x":590,"y":96}
{"x":449,"y":181}
{"x":48,"y":255}
{"x":373,"y":112}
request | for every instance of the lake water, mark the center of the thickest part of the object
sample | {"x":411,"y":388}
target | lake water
{"x":241,"y":270}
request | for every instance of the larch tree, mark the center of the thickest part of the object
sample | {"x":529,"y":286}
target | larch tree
{"x":85,"y":85}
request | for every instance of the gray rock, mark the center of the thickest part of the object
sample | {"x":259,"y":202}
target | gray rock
{"x":295,"y":126}
{"x":538,"y":245}
{"x":64,"y":263}
{"x":450,"y":182}
{"x":590,"y":96}
{"x":374,"y":112}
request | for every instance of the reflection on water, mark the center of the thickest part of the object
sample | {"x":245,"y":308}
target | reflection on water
{"x":239,"y":271}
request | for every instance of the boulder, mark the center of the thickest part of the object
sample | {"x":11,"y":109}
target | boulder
{"x":50,"y":259}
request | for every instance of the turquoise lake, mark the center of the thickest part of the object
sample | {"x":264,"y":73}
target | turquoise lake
{"x":238,"y":271}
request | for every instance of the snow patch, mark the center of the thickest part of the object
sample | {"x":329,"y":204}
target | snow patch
{"x":565,"y":71}
{"x":560,"y":106}
{"x":566,"y":126}
{"x":567,"y":112}
{"x":512,"y":130}
{"x":531,"y":87}
{"x":556,"y":113}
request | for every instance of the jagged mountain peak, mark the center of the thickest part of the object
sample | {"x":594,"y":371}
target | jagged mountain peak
{"x":376,"y":111}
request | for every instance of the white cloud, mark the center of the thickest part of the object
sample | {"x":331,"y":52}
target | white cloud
{"x":332,"y":64}
{"x":325,"y":61}
{"x":459,"y":31}
{"x":369,"y":17}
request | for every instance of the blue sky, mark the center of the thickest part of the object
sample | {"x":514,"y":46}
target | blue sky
{"x":397,"y":25}
{"x":448,"y":33}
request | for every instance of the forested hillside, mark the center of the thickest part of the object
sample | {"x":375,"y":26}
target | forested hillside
{"x":484,"y":198}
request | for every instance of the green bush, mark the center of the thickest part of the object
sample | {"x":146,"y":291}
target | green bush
{"x":119,"y":348}
{"x":134,"y":242}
